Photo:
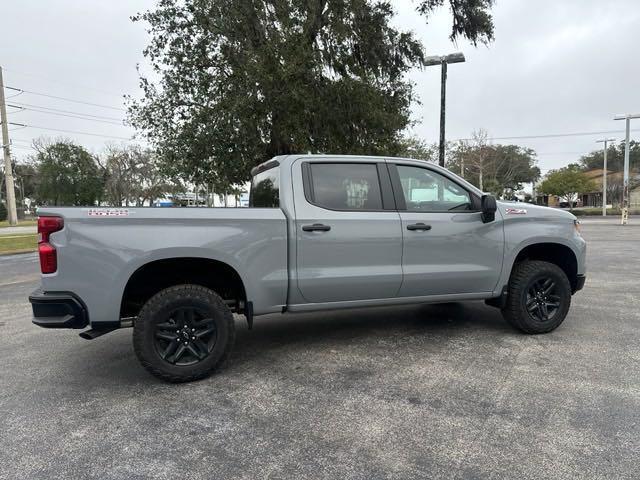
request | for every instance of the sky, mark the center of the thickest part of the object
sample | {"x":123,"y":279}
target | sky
{"x":555,"y":67}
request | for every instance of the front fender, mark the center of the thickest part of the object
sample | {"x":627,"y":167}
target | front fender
{"x":521,"y":233}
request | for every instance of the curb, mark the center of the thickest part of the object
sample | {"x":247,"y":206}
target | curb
{"x":17,"y":252}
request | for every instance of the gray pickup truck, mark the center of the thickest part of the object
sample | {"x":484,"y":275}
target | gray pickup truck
{"x":322,"y":233}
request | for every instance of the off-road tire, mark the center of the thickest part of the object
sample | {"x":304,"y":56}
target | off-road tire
{"x":155,"y":311}
{"x":523,"y":278}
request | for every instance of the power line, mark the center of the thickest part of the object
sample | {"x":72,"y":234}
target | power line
{"x":13,"y":96}
{"x":76,"y":116}
{"x":560,"y":153}
{"x":69,"y":131}
{"x":66,"y":99}
{"x":20,"y":104}
{"x":14,"y":139}
{"x":22,"y":147}
{"x":20,"y":109}
{"x":551,"y":135}
{"x":64,"y":115}
{"x":60,"y":82}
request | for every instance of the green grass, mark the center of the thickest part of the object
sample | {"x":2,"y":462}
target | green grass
{"x":21,"y":223}
{"x":18,"y":243}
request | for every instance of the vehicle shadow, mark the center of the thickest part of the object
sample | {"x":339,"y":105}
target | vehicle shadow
{"x":336,"y":328}
{"x":278,"y":337}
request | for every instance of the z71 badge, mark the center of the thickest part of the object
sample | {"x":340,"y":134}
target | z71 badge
{"x":108,"y":212}
{"x":516,"y":211}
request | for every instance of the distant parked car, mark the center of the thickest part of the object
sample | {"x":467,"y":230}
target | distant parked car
{"x":566,"y":205}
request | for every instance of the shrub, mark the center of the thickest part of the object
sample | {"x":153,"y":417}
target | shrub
{"x":591,"y":212}
{"x":3,"y":212}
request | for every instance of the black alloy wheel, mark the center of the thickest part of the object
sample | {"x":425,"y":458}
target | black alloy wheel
{"x":183,"y":333}
{"x":186,"y":336}
{"x":543,"y":300}
{"x":538,"y":296}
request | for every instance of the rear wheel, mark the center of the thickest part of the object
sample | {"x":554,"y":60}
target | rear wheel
{"x":183,"y":333}
{"x":539,"y":297}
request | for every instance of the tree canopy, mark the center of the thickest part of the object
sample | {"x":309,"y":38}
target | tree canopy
{"x":26,"y":179}
{"x":471,"y":18}
{"x":63,"y":173}
{"x":68,"y":175}
{"x":499,"y":169}
{"x":567,"y":183}
{"x":413,"y":147}
{"x":240,"y":81}
{"x":133,"y":177}
{"x":615,"y":157}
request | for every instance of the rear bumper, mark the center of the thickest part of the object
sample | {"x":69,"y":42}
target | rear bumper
{"x":58,"y":310}
{"x":580,"y":282}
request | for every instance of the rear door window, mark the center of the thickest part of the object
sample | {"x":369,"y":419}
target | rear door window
{"x":345,"y":186}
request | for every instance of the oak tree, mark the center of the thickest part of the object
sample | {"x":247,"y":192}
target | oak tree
{"x":499,"y":169}
{"x":236,"y":82}
{"x":67,"y":174}
{"x":567,"y":183}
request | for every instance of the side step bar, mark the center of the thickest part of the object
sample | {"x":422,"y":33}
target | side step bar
{"x":94,"y":333}
{"x":127,"y":322}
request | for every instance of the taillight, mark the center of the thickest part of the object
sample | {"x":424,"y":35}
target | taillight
{"x":48,"y":255}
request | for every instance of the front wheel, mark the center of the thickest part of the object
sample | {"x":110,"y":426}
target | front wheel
{"x":539,"y":297}
{"x":183,"y":333}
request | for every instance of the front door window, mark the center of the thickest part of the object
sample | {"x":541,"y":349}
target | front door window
{"x":428,"y":191}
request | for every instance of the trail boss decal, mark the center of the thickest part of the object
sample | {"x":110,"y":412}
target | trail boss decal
{"x":516,"y":211}
{"x":108,"y":212}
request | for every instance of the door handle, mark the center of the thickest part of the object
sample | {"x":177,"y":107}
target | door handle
{"x":419,"y":226}
{"x":316,"y":227}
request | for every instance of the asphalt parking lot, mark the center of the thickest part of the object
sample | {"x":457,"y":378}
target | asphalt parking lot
{"x":442,"y":391}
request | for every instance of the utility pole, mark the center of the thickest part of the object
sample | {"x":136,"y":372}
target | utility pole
{"x":625,"y":185}
{"x":443,"y":61}
{"x":604,"y":141}
{"x":8,"y":170}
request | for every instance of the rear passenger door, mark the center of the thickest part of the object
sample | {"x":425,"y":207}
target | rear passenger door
{"x":349,"y":237}
{"x":447,"y":248}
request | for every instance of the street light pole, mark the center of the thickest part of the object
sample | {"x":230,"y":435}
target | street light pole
{"x":625,"y":185}
{"x":443,"y":96}
{"x":443,"y":61}
{"x":605,"y":141}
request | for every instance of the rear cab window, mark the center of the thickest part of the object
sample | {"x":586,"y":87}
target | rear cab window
{"x":265,"y":189}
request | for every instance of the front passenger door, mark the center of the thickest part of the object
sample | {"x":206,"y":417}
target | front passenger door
{"x":447,"y":249}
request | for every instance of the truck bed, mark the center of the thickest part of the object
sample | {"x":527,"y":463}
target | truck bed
{"x":100,"y":248}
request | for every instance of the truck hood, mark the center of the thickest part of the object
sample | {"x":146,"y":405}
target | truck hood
{"x":517,"y":209}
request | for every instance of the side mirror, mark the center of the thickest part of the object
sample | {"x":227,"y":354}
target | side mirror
{"x":489,"y":208}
